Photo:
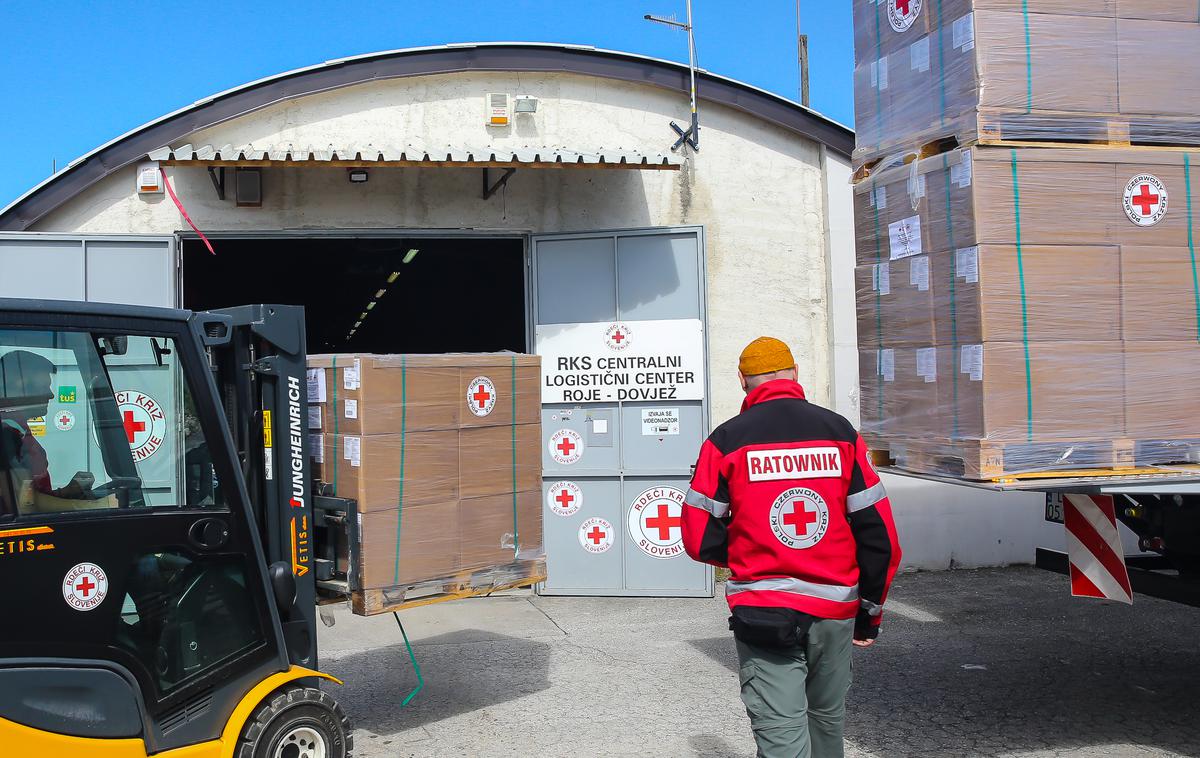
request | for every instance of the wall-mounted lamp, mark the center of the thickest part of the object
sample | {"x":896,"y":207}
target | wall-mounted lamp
{"x":526,"y":104}
{"x":358,"y":175}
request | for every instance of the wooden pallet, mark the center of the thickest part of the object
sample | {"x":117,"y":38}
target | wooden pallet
{"x":372,"y":602}
{"x":1048,"y":129}
{"x":987,"y":460}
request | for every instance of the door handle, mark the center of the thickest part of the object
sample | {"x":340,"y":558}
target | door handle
{"x":209,"y":533}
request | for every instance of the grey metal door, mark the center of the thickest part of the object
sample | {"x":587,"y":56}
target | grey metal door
{"x":619,"y":320}
{"x":127,"y":269}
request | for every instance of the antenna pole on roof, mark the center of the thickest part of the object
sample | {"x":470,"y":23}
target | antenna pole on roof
{"x":691,"y":135}
{"x":802,"y":57}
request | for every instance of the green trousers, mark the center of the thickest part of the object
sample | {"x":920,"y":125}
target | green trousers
{"x":796,"y":698}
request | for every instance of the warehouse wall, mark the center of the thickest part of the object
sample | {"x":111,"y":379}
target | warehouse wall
{"x":756,"y":188}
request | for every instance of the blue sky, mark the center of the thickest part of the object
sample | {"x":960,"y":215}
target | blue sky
{"x":78,"y":74}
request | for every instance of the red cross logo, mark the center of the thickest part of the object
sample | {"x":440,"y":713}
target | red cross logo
{"x":597,"y":535}
{"x":86,"y":586}
{"x":664,"y":523}
{"x":565,"y":499}
{"x":481,"y":396}
{"x":1145,"y":200}
{"x":800,"y":517}
{"x":64,"y":419}
{"x":132,"y":427}
{"x":566,"y":446}
{"x":902,"y":6}
{"x":618,"y":337}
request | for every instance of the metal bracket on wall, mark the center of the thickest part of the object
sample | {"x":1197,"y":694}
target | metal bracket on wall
{"x":217,"y":175}
{"x":491,"y":189}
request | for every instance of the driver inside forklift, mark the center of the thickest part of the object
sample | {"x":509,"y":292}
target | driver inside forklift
{"x":26,"y":389}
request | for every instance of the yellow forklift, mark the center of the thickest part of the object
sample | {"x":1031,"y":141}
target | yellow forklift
{"x":160,"y":539}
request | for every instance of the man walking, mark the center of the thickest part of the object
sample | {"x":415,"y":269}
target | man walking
{"x":785,"y":498}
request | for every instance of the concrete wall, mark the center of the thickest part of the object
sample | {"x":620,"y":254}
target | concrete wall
{"x":757,"y":189}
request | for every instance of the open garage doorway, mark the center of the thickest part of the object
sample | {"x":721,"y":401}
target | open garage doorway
{"x":374,"y":294}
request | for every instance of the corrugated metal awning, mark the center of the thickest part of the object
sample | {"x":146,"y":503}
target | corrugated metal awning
{"x":288,"y":154}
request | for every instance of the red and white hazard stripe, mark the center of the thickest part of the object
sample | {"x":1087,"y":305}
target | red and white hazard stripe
{"x":1094,"y":548}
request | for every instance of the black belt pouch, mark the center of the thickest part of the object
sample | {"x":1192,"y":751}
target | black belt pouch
{"x":777,"y":628}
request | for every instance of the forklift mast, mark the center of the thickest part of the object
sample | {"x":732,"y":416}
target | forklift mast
{"x":261,"y":377}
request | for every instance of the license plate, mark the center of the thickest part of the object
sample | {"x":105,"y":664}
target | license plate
{"x":1054,"y":509}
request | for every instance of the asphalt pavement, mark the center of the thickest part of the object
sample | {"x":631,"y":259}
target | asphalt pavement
{"x":998,"y":662}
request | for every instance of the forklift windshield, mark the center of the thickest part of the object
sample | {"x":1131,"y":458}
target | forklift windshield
{"x":93,"y":421}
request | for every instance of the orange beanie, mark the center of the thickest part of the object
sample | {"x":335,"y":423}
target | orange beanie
{"x":765,"y":355}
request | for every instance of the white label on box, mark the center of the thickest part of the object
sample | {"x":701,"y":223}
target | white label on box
{"x":314,"y":417}
{"x":927,"y":364}
{"x":918,"y":274}
{"x":351,"y":408}
{"x":659,"y":422}
{"x":353,"y":451}
{"x":599,"y":426}
{"x":905,"y":237}
{"x":963,"y":33}
{"x":966,"y":264}
{"x":350,"y":377}
{"x":883,"y":73}
{"x":971,"y":362}
{"x":918,"y":54}
{"x":316,"y":385}
{"x":877,"y":198}
{"x":960,"y":173}
{"x":881,"y":278}
{"x":916,"y":189}
{"x":316,"y":447}
{"x":886,"y":360}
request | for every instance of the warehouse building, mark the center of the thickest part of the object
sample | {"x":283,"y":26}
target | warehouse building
{"x":493,"y":197}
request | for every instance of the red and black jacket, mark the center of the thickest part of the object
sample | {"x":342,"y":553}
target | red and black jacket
{"x":785,"y":497}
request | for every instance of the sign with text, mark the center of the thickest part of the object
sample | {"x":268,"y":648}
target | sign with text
{"x":610,"y":361}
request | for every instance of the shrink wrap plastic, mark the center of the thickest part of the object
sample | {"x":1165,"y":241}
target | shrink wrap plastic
{"x":1046,"y":70}
{"x":443,"y":455}
{"x":1030,"y":309}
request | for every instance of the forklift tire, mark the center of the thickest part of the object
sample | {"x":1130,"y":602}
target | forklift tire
{"x":299,"y":722}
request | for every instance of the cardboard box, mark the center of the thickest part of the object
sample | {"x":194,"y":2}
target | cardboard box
{"x":899,"y":391}
{"x":1161,"y":398}
{"x":488,"y":535}
{"x":380,"y":394}
{"x":499,"y":459}
{"x":1040,"y":391}
{"x":988,"y":69}
{"x":1051,"y":292}
{"x":383,"y":471}
{"x":1052,"y":196}
{"x":1158,"y":294}
{"x":1159,"y":10}
{"x":895,"y":303}
{"x":408,"y":545}
{"x":1157,"y":63}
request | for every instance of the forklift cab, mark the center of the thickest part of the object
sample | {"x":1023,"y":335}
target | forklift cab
{"x":157,"y":605}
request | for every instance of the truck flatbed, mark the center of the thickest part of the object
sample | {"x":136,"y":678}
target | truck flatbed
{"x":1163,"y":480}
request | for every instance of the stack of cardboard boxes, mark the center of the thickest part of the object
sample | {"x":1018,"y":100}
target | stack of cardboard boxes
{"x":1023,"y":307}
{"x":1025,"y":69}
{"x":443,"y":455}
